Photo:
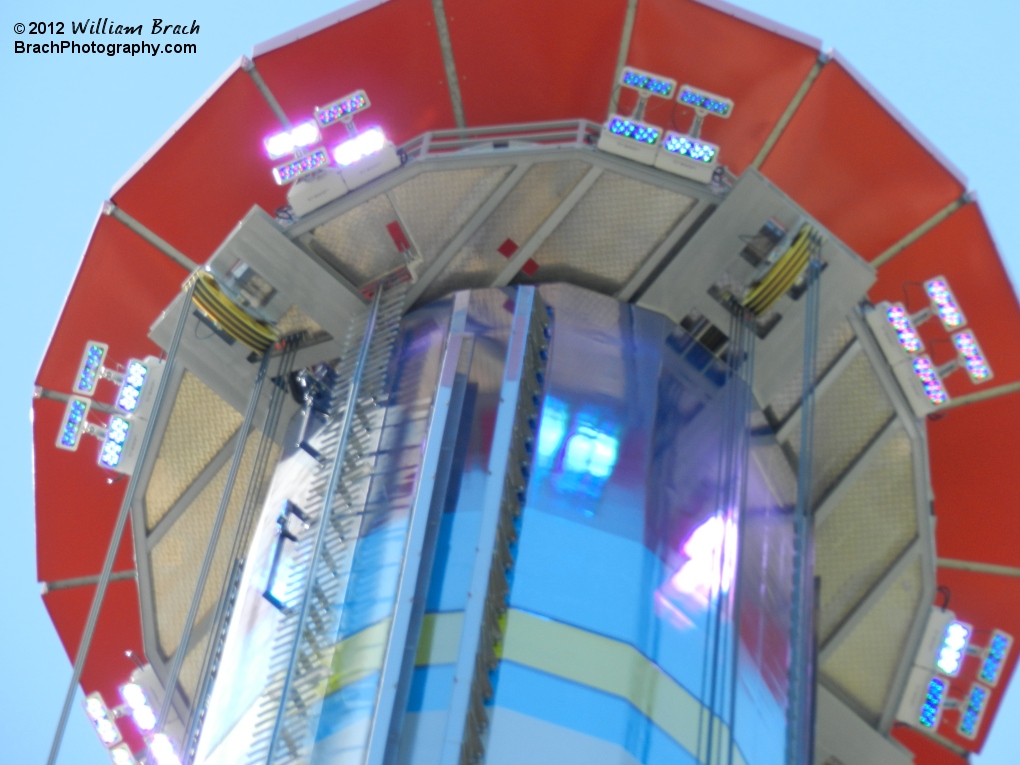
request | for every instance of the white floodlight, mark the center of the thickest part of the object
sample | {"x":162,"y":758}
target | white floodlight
{"x":112,"y":455}
{"x":121,"y":755}
{"x":102,"y":719}
{"x":131,"y":389}
{"x":688,"y":156}
{"x":141,"y":711}
{"x":162,"y":749}
{"x":73,"y":423}
{"x":291,"y":141}
{"x":365,"y":157}
{"x":630,"y":138}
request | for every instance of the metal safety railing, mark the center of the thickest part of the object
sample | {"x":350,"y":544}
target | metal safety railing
{"x":560,"y":134}
{"x":314,"y":590}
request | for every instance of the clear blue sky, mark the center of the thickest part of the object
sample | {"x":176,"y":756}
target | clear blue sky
{"x":83,"y":122}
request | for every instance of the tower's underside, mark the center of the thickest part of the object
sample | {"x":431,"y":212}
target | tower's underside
{"x":520,"y":481}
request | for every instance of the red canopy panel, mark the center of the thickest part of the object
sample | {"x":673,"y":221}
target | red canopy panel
{"x":926,"y":751}
{"x":530,"y":60}
{"x":710,"y":49}
{"x":391,"y":51}
{"x":207,"y":173}
{"x":978,"y":599}
{"x":856,"y":167}
{"x":118,"y":630}
{"x":75,"y":506}
{"x":122,"y":285}
{"x":974,"y":468}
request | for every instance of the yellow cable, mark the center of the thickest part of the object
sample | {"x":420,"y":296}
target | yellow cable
{"x":230,"y":317}
{"x":778,"y":271}
{"x":783,"y":274}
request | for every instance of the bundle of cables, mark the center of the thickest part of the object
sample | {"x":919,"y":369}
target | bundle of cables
{"x":785,"y":272}
{"x":229,"y":316}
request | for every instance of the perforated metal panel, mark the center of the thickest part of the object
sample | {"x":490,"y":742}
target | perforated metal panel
{"x":532,"y":200}
{"x":175,"y":561}
{"x":358,"y":243}
{"x":830,"y":348}
{"x":609,"y":234}
{"x":296,"y":320}
{"x":848,"y":415}
{"x":864,"y":665}
{"x":200,"y":424}
{"x":436,"y":205}
{"x":872,"y":524}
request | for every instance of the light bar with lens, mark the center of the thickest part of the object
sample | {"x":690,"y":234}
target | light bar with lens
{"x":113,"y":445}
{"x":634,"y":130}
{"x":72,"y":424}
{"x":929,"y":378}
{"x":360,"y":146}
{"x":686,"y":146}
{"x":952,"y":648}
{"x":970,"y":720}
{"x":932,"y":703}
{"x":141,"y":712}
{"x":973,"y":359}
{"x":131,"y":388}
{"x":906,"y":334}
{"x":648,"y":83}
{"x":289,"y":141}
{"x":342,"y":108}
{"x":995,"y":657}
{"x":162,"y":750}
{"x":945,"y":304}
{"x":301,"y":167}
{"x":121,"y":755}
{"x":702,"y":100}
{"x":102,"y":719}
{"x":91,"y":367}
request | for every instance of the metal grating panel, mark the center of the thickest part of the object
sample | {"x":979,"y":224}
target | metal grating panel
{"x":829,"y":350}
{"x":296,"y":320}
{"x":176,"y":560}
{"x":864,"y":665}
{"x":849,"y":414}
{"x":606,"y":238}
{"x":532,"y":200}
{"x":358,"y":243}
{"x":872,"y":524}
{"x":200,"y":424}
{"x":436,"y":205}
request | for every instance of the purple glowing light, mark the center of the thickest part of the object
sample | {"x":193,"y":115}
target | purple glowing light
{"x":905,"y":332}
{"x":929,"y":378}
{"x":710,"y":568}
{"x":945,"y":304}
{"x":973,"y":360}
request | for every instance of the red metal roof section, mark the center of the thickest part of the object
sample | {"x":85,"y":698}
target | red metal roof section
{"x":926,"y":751}
{"x":855,"y":167}
{"x":845,"y":156}
{"x":543,"y":61}
{"x":707,"y":48}
{"x":205,"y":176}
